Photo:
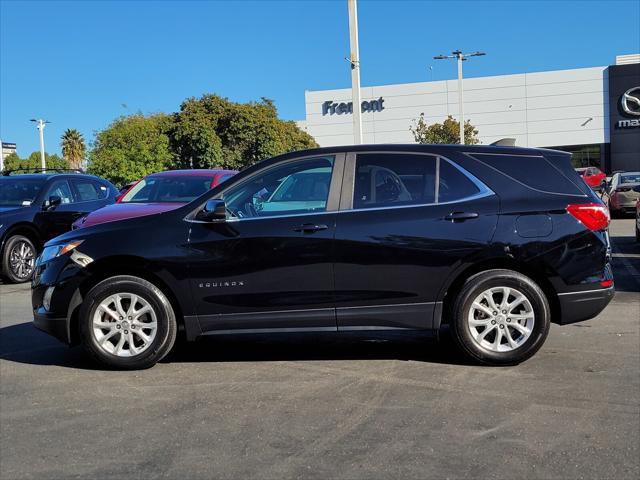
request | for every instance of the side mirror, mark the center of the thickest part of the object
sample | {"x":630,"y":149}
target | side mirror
{"x":214,"y":210}
{"x":52,"y":203}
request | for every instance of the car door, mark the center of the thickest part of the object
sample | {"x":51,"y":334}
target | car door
{"x":410,"y":220}
{"x":269,"y":265}
{"x":56,"y":220}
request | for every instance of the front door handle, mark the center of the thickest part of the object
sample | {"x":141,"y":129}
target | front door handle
{"x":310,"y":227}
{"x":461,"y":216}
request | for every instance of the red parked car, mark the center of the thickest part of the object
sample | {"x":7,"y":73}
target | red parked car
{"x":593,"y":176}
{"x":157,"y":193}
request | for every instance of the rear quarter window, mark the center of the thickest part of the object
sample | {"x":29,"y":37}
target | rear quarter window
{"x":532,"y":171}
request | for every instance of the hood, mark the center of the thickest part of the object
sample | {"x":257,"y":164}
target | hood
{"x":122,"y":211}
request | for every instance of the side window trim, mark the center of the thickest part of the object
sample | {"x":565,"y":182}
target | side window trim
{"x":348,"y":187}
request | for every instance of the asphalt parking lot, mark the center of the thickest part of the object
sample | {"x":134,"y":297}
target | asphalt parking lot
{"x":326,"y":408}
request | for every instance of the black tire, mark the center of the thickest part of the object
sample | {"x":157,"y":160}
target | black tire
{"x":13,"y":275}
{"x":165,"y":335}
{"x":472,"y":288}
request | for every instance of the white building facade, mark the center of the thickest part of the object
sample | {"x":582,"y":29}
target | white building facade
{"x":567,"y":109}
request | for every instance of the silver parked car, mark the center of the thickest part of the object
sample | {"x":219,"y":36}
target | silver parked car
{"x":619,"y":193}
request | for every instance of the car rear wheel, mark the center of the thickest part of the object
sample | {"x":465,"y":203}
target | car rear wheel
{"x":18,"y":259}
{"x":127,"y":323}
{"x":500,"y":317}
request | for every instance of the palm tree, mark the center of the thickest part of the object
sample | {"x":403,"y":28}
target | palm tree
{"x":73,"y":147}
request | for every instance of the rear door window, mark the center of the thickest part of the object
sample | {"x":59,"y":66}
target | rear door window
{"x":393,"y":179}
{"x":88,"y":190}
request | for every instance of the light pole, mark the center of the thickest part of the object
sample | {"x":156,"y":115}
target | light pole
{"x":354,"y":60}
{"x":461,"y":57}
{"x":40,"y":126}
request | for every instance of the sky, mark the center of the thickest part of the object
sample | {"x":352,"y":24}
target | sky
{"x":81,"y":64}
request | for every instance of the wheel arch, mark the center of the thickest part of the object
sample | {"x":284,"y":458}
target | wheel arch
{"x":113,"y":266}
{"x":457,"y":280}
{"x":25,"y":229}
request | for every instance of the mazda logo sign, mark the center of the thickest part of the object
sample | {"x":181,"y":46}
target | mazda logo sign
{"x":630,"y":101}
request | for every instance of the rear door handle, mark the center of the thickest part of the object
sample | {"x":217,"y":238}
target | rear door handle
{"x":310,"y":227}
{"x":461,"y":216}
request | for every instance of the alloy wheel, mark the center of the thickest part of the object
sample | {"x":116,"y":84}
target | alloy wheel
{"x":124,"y":324}
{"x":22,"y":259}
{"x":501,"y":319}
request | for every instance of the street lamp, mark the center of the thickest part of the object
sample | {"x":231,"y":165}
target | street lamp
{"x":461,"y":57}
{"x":354,"y":60}
{"x":40,"y":126}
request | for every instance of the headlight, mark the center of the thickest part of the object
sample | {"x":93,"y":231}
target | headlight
{"x":54,"y":251}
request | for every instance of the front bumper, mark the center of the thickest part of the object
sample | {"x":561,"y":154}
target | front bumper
{"x":56,"y":326}
{"x":583,"y":305}
{"x":64,"y":277}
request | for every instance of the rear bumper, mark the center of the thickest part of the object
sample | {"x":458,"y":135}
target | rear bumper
{"x":579,"y":306}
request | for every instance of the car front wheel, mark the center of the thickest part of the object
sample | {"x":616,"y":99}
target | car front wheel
{"x":500,"y":317}
{"x":127,"y":323}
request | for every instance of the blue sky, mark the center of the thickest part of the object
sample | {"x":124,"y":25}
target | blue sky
{"x":80,"y":64}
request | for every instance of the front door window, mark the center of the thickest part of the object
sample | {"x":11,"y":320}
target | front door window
{"x":295,"y":188}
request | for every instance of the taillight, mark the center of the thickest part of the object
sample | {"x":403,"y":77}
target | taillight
{"x":594,"y":216}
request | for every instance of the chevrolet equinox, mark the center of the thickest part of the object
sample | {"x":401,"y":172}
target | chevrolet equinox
{"x":496,"y":242}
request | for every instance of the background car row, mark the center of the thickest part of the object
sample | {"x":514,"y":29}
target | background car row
{"x":620,"y":192}
{"x":35,"y":207}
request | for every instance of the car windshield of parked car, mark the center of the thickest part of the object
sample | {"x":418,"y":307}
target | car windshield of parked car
{"x":19,"y":192}
{"x":160,"y":189}
{"x":632,"y":177}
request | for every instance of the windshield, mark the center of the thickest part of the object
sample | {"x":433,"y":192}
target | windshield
{"x":19,"y":192}
{"x":168,"y":189}
{"x":632,"y":177}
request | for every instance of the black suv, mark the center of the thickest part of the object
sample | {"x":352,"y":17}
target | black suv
{"x":39,"y":206}
{"x":495,"y":241}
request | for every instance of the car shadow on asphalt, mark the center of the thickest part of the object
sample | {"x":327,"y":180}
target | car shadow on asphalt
{"x":23,"y":343}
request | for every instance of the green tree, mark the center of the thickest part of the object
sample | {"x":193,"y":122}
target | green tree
{"x":132,"y":147}
{"x":214,"y":132}
{"x":32,"y":162}
{"x":447,"y":132}
{"x":73,"y":147}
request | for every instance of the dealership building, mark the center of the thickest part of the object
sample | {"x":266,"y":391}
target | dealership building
{"x":592,"y":112}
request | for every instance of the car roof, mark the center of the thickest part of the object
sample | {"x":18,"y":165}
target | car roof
{"x":427,"y":148}
{"x":47,"y":176}
{"x":191,"y":172}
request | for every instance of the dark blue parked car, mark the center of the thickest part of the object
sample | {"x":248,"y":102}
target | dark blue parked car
{"x":36,"y":207}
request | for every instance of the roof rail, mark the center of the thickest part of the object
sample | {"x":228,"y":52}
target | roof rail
{"x":505,"y":142}
{"x":6,"y":173}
